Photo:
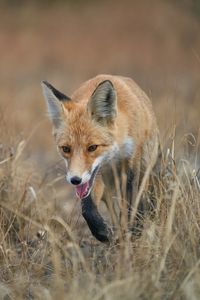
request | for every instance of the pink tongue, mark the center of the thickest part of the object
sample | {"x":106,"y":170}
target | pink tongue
{"x":81,"y":190}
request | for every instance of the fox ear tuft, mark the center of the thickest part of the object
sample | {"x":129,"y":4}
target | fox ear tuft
{"x":103,"y":103}
{"x":60,"y":96}
{"x":54,"y":100}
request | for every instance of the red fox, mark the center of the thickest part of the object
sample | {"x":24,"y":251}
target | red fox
{"x":108,"y":119}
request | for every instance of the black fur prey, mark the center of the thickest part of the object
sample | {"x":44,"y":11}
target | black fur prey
{"x":95,"y":222}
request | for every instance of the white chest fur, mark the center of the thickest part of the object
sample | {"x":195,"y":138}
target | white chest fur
{"x":127,"y":148}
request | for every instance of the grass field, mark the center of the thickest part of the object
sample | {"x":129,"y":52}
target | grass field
{"x":46,"y":249}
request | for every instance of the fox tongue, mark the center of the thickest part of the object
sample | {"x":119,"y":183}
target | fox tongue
{"x":81,"y":190}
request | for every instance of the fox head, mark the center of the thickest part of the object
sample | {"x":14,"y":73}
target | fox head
{"x":84,"y":131}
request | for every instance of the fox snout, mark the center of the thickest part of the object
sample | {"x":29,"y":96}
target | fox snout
{"x":77,"y":179}
{"x":83,"y":184}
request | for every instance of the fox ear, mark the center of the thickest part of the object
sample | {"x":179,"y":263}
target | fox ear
{"x":103,"y":103}
{"x":54,"y":100}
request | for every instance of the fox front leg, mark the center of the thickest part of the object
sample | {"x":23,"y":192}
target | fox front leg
{"x":96,"y":223}
{"x":132,"y":187}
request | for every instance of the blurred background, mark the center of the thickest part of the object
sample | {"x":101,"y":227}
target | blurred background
{"x":157,"y":43}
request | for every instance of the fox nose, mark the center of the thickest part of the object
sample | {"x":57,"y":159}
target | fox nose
{"x":76,"y":180}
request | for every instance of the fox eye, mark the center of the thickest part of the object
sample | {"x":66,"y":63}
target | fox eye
{"x":66,"y":149}
{"x":92,"y":148}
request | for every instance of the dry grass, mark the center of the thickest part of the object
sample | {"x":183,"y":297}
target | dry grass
{"x":46,"y":250}
{"x":44,"y":256}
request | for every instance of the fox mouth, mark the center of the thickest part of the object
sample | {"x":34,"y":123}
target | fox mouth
{"x":83,"y":190}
